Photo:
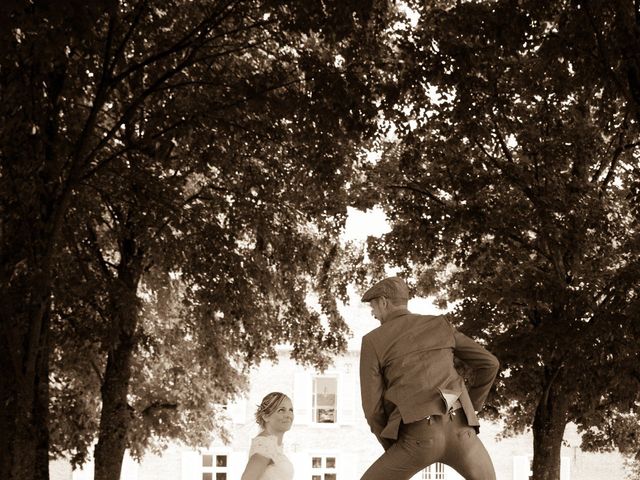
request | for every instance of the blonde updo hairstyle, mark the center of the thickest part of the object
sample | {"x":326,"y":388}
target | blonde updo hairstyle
{"x":269,"y":404}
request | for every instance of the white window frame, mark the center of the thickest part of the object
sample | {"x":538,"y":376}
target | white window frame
{"x":323,"y":470}
{"x":435,"y":471}
{"x":314,"y":407}
{"x":303,"y":397}
{"x":214,"y":469}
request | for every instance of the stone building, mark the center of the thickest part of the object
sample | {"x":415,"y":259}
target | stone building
{"x":330,"y":439}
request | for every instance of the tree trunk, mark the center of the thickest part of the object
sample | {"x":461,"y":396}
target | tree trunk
{"x":548,"y":430}
{"x":34,"y":202}
{"x":41,"y":404}
{"x":116,"y":416}
{"x":24,"y":391}
{"x":18,"y":444}
{"x":8,"y":410}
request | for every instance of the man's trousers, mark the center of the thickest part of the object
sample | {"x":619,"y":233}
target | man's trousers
{"x":440,"y":438}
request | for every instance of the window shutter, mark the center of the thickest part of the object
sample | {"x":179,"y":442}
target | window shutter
{"x":565,"y":468}
{"x":302,"y":397}
{"x":191,"y":465}
{"x":301,"y":465}
{"x":347,"y":466}
{"x":346,"y":399}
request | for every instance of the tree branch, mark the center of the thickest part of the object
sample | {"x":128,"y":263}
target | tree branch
{"x":420,"y":191}
{"x":97,"y":252}
{"x":503,"y":144}
{"x":601,"y":50}
{"x":130,"y":110}
{"x":619,"y":149}
{"x":106,"y":70}
{"x":134,"y":23}
{"x":129,"y":147}
{"x":151,"y":409}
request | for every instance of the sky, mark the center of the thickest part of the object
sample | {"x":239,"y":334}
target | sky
{"x":362,"y":224}
{"x":358,"y":316}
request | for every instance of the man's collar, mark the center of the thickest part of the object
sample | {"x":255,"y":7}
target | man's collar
{"x":397,"y":313}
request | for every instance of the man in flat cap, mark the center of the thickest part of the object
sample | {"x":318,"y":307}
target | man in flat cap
{"x":414,"y":400}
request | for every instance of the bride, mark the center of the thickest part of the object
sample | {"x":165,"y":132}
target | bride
{"x":267,"y":461}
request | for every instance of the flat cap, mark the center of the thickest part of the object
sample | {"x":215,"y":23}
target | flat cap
{"x":390,"y":287}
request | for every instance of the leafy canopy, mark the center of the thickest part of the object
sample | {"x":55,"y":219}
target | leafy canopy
{"x":509,"y":173}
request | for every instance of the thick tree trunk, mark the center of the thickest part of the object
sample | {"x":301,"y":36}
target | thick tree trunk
{"x":34,"y":202}
{"x":116,"y":416}
{"x":21,"y":436}
{"x":41,"y":404}
{"x":24,"y":394}
{"x":548,"y":430}
{"x":18,"y":447}
{"x":7,"y":412}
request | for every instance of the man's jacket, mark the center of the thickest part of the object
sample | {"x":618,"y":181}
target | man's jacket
{"x":407,"y":372}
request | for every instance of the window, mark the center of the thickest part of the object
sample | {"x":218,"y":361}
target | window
{"x":434,"y":472}
{"x":325,"y":397}
{"x":214,"y":467}
{"x":323,"y":468}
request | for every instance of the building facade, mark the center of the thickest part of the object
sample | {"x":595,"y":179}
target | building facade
{"x":330,"y":439}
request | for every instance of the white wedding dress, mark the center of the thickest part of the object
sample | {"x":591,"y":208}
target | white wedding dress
{"x":267,"y":446}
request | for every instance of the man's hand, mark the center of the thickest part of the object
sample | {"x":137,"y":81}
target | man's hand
{"x":386,"y":443}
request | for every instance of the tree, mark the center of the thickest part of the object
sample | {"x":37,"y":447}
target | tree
{"x":136,"y":131}
{"x":511,"y":186}
{"x":38,"y":173}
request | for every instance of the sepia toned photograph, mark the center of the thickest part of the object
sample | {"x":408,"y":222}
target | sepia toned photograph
{"x":320,"y":240}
